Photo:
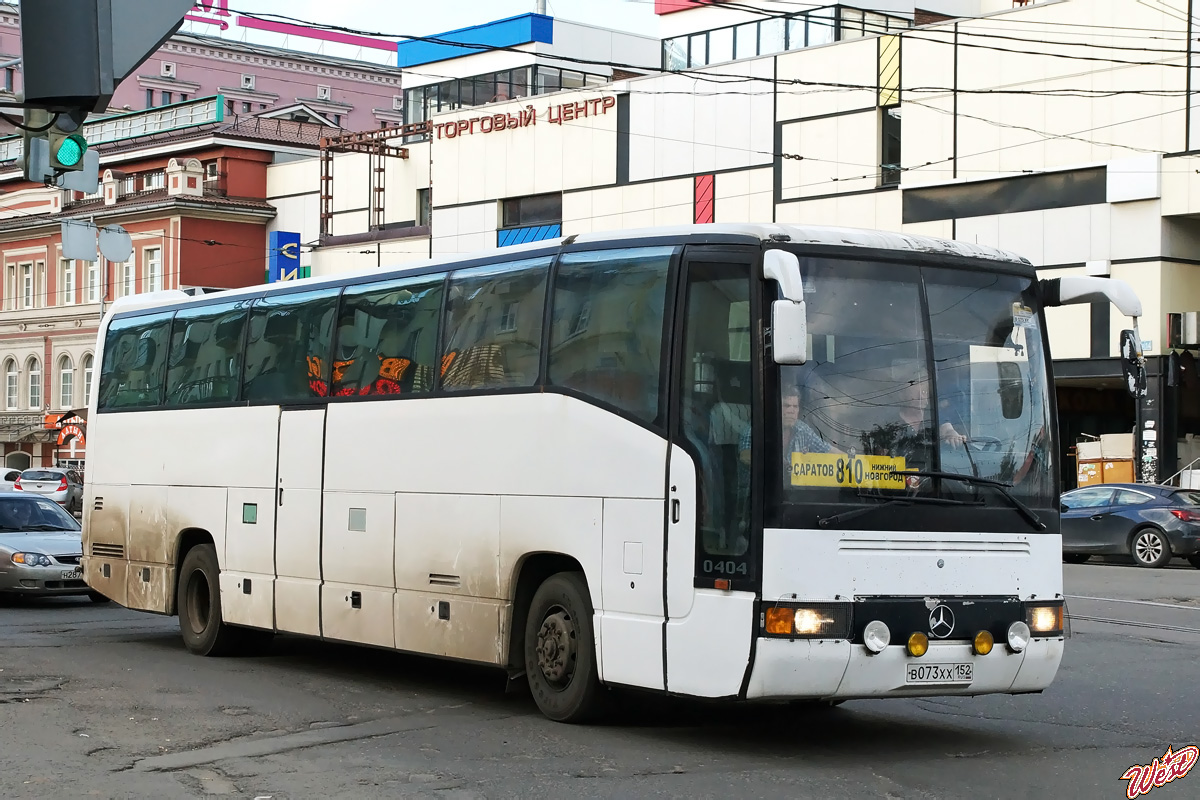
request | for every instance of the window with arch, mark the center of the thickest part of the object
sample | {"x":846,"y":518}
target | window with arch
{"x":10,"y":385}
{"x":66,"y":383}
{"x":35,"y":384}
{"x":88,"y":364}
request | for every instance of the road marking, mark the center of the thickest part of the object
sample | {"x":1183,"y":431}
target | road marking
{"x":279,"y":744}
{"x":1148,"y":625}
{"x":1134,"y":602}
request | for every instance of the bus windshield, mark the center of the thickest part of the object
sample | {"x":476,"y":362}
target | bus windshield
{"x":915,"y":369}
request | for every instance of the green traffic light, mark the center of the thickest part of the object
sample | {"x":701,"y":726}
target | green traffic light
{"x":71,"y":151}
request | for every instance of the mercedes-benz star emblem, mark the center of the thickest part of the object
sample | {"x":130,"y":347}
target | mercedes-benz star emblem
{"x":941,"y":622}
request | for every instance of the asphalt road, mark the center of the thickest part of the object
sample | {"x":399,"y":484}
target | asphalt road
{"x":99,"y":701}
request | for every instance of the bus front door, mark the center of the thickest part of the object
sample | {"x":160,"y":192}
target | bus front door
{"x":298,"y":521}
{"x":711,"y":572}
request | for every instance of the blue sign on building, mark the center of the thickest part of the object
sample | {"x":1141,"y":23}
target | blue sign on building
{"x":283,"y":263}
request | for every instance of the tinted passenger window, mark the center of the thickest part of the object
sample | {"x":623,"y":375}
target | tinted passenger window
{"x":287,"y":347}
{"x":1125,"y":498}
{"x":205,"y":365}
{"x":494,"y":325}
{"x":387,"y":337}
{"x":1087,"y":498}
{"x":606,"y":326}
{"x":135,"y":361}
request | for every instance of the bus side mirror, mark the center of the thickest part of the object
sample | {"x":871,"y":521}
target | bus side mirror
{"x":789,"y":317}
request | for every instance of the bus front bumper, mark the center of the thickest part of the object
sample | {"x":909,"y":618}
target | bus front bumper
{"x":827,"y":670}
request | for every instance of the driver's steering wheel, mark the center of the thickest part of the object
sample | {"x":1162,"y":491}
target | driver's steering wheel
{"x":984,"y":443}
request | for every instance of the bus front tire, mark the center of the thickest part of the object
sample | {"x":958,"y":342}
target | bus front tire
{"x":198,"y":599}
{"x":560,"y":650}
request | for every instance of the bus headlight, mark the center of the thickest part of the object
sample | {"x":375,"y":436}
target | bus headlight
{"x":1018,"y":636}
{"x":876,"y":636}
{"x":808,"y":621}
{"x":1044,"y":620}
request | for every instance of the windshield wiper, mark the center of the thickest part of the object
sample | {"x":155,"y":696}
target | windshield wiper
{"x":44,"y":528}
{"x":999,"y":486}
{"x":845,"y":516}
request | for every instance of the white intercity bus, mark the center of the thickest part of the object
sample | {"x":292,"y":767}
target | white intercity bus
{"x":762,"y":462}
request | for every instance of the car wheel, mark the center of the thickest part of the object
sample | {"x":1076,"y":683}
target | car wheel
{"x":560,"y":650}
{"x":198,"y":598}
{"x":96,"y":597}
{"x":1076,"y":558}
{"x":1194,"y":561}
{"x":1149,"y":548}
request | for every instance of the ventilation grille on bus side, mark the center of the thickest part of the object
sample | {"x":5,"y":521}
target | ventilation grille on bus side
{"x":438,"y":579}
{"x":108,"y":550}
{"x":899,"y":544}
{"x":99,"y":504}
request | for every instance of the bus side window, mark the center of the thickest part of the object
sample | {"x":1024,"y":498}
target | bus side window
{"x":288,"y":347}
{"x":607,"y":325}
{"x":493,"y":322}
{"x":206,"y":354}
{"x":386,"y":337}
{"x":135,"y":360}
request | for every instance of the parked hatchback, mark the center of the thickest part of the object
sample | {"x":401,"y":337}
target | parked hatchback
{"x":1152,"y":523}
{"x":63,"y":486}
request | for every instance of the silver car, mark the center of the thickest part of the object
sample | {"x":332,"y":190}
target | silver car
{"x":63,"y":486}
{"x":40,"y":547}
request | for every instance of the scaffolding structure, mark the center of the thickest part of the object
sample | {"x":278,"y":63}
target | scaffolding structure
{"x":378,"y":146}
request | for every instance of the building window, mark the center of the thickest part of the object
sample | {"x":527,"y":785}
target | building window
{"x":154,"y":180}
{"x":167,"y":98}
{"x":27,"y":286}
{"x":152,"y":256}
{"x":245,"y":108}
{"x":508,"y":316}
{"x":93,"y":282}
{"x":88,"y":362}
{"x":10,"y":385}
{"x":149,"y":98}
{"x":337,"y":120}
{"x":183,"y":98}
{"x":128,"y":274}
{"x":424,"y":207}
{"x":67,"y":283}
{"x":889,"y":155}
{"x":10,"y":76}
{"x":66,"y":383}
{"x":35,"y":384}
{"x":538,"y":209}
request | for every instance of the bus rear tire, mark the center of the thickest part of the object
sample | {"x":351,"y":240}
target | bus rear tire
{"x":560,"y":650}
{"x":198,"y":598}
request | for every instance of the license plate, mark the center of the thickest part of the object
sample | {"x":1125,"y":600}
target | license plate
{"x":71,"y":574}
{"x":939,"y":673}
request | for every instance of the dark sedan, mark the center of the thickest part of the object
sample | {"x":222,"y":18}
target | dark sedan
{"x":1149,"y":522}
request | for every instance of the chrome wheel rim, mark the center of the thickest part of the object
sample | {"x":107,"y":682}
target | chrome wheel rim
{"x":556,"y":647}
{"x":1149,"y":548}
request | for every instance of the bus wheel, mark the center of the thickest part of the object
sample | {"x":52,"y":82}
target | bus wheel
{"x":199,"y":602}
{"x":560,"y":650}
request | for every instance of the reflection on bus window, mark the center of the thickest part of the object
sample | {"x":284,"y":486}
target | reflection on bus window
{"x":287,"y":347}
{"x":493,"y":326}
{"x":205,"y":364}
{"x":607,"y":325}
{"x":386,"y":338}
{"x":135,"y":359}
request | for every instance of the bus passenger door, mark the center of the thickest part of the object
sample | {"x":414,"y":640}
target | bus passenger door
{"x":298,"y":521}
{"x":711,"y":532}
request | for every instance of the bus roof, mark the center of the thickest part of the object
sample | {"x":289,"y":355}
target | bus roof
{"x":712,"y":233}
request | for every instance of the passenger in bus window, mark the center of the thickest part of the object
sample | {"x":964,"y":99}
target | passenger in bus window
{"x":799,"y":436}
